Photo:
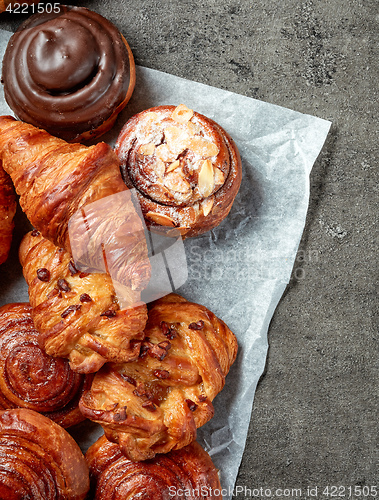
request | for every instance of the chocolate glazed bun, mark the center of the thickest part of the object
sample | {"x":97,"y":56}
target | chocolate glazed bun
{"x":69,"y":73}
{"x":185,"y":167}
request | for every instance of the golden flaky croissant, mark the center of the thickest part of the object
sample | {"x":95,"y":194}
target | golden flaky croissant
{"x":57,"y":181}
{"x":77,"y":314}
{"x":155,"y":404}
{"x":188,"y":473}
{"x":7,"y":211}
{"x":29,"y":378}
{"x":39,"y":460}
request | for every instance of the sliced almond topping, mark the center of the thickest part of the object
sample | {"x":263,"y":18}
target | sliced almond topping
{"x":161,"y":219}
{"x":175,"y":164}
{"x":175,"y":181}
{"x":163,"y":153}
{"x":203,"y":147}
{"x":159,"y":167}
{"x":182,"y":230}
{"x":177,"y":139}
{"x":173,"y":133}
{"x":147,"y":149}
{"x":219,"y":176}
{"x":206,"y":178}
{"x":182,"y":114}
{"x":207,"y":205}
{"x":192,"y":128}
{"x":151,"y":116}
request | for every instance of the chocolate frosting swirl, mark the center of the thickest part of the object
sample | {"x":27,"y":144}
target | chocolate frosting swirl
{"x":66,"y":72}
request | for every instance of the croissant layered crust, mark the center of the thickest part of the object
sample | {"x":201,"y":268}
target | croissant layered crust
{"x":188,"y":471}
{"x":8,"y":206}
{"x":29,"y":378}
{"x":39,"y":459}
{"x":156,"y":403}
{"x":57,"y":180}
{"x":186,"y":168}
{"x":77,"y":314}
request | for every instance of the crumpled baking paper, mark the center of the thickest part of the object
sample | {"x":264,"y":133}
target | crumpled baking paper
{"x":240,"y":269}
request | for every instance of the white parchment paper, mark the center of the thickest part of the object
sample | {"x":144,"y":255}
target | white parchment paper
{"x":240,"y":269}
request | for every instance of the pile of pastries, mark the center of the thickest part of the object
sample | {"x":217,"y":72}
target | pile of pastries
{"x":86,"y":346}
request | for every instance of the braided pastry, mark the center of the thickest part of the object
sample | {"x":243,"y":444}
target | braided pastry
{"x":77,"y":314}
{"x":69,"y":71}
{"x":29,"y":378}
{"x":7,"y":211}
{"x":187,"y":472}
{"x":39,"y":460}
{"x":57,"y":180}
{"x":156,"y":403}
{"x":185,"y":167}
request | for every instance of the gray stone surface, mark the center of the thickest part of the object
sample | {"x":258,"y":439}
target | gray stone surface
{"x":314,"y":421}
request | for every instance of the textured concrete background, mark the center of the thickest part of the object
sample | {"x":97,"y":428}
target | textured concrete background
{"x":314,"y":421}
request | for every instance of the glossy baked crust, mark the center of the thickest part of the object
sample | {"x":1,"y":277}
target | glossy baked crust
{"x":185,"y":167}
{"x":39,"y":459}
{"x":57,"y":181}
{"x":29,"y":378}
{"x":70,"y":72}
{"x":188,"y":471}
{"x":155,"y":404}
{"x":77,"y":314}
{"x":8,"y":206}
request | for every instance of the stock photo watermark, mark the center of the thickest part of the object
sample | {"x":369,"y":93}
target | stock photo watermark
{"x":308,"y":492}
{"x":243,"y":264}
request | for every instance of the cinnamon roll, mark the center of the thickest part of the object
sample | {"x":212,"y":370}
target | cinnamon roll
{"x":156,"y":403}
{"x":69,"y":72}
{"x":185,"y":167}
{"x":39,"y":459}
{"x":31,"y":379}
{"x":187,"y":472}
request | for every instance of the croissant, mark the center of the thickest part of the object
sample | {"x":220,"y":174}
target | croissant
{"x":77,"y":314}
{"x":39,"y":460}
{"x":188,"y":472}
{"x":57,"y":181}
{"x":29,"y":378}
{"x":185,"y":167}
{"x":7,"y":211}
{"x":156,"y":403}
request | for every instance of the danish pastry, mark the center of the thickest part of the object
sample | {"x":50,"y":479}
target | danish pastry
{"x":188,"y":472}
{"x":8,"y":206}
{"x":156,"y":403}
{"x":77,"y":314}
{"x":39,"y":459}
{"x":29,"y":378}
{"x":57,"y":180}
{"x":69,"y":72}
{"x":185,"y":167}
